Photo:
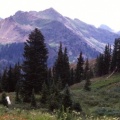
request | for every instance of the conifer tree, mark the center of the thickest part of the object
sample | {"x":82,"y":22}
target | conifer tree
{"x":49,"y":77}
{"x":58,"y":66}
{"x":66,"y":69}
{"x":115,"y":63}
{"x":44,"y":94}
{"x":87,"y":82}
{"x":77,"y":107}
{"x":35,"y":61}
{"x":33,"y":100}
{"x":87,"y":76}
{"x":79,"y":69}
{"x":62,"y":67}
{"x":4,"y":100}
{"x":17,"y":98}
{"x":4,"y":81}
{"x":17,"y":79}
{"x":17,"y":75}
{"x":72,"y":76}
{"x":67,"y":101}
{"x":86,"y":68}
{"x":11,"y":87}
{"x":100,"y":65}
{"x":0,"y":87}
{"x":55,"y":98}
{"x":107,"y":59}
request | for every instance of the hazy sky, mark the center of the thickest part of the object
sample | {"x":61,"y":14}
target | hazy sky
{"x":94,"y":12}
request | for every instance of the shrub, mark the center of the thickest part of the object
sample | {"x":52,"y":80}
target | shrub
{"x":107,"y":112}
{"x":33,"y":100}
{"x":3,"y":99}
{"x":77,"y":107}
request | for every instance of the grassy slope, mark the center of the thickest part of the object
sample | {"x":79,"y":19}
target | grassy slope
{"x":104,"y":97}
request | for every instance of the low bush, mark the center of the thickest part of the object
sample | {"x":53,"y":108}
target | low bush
{"x":107,"y":112}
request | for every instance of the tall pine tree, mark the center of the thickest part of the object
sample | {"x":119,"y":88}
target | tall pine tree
{"x":115,"y":64}
{"x":66,"y":69}
{"x":79,"y":69}
{"x":11,"y":87}
{"x":62,"y":67}
{"x":58,"y":66}
{"x":35,"y":61}
{"x":107,"y":59}
{"x":4,"y":81}
{"x":87,"y":76}
{"x":99,"y":67}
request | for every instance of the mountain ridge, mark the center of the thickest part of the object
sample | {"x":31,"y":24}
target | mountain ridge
{"x":74,"y":34}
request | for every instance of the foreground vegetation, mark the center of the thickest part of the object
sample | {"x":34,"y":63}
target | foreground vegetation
{"x":20,"y":114}
{"x":101,"y":103}
{"x":104,"y":97}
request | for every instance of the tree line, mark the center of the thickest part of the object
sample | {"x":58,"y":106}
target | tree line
{"x":34,"y":71}
{"x":108,"y":61}
{"x":52,"y":84}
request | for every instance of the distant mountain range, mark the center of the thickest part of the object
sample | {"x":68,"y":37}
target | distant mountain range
{"x":74,"y":34}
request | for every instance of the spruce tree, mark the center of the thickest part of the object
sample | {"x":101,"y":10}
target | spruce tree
{"x":72,"y":76}
{"x":49,"y":77}
{"x":61,"y":67}
{"x":107,"y":59}
{"x":58,"y":66}
{"x":87,"y":82}
{"x":4,"y":81}
{"x":44,"y":94}
{"x":11,"y":86}
{"x":4,"y":100}
{"x":77,"y":107}
{"x":79,"y":69}
{"x":87,"y":76}
{"x":35,"y":62}
{"x":67,"y":101}
{"x":16,"y":75}
{"x":55,"y":98}
{"x":66,"y":69}
{"x":114,"y":58}
{"x":86,"y":68}
{"x":0,"y":87}
{"x":33,"y":100}
{"x":99,"y":67}
{"x":115,"y":64}
{"x":17,"y":98}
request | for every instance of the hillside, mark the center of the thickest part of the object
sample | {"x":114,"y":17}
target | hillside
{"x":104,"y":97}
{"x":102,"y":102}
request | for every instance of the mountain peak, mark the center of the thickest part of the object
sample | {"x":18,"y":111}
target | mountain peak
{"x":105,"y":27}
{"x":50,"y":10}
{"x":19,"y":12}
{"x":50,"y":13}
